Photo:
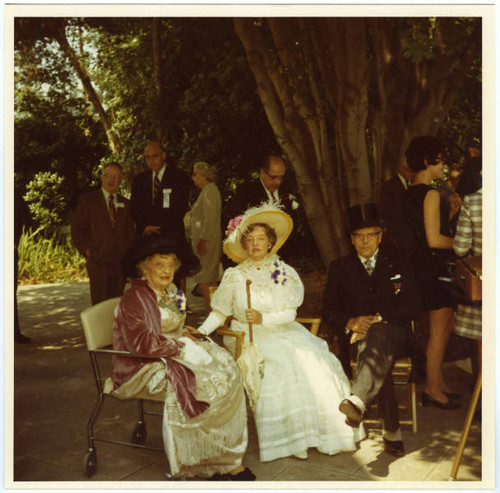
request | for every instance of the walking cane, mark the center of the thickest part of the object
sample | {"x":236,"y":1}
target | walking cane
{"x":468,"y":422}
{"x":249,"y":303}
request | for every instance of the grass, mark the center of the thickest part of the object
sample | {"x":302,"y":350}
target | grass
{"x":48,"y":259}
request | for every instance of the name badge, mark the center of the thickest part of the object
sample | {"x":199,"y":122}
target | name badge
{"x":166,"y":197}
{"x":120,"y":204}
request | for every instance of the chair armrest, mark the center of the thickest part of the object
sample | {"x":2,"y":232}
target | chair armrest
{"x":127,"y":354}
{"x":239,"y":336}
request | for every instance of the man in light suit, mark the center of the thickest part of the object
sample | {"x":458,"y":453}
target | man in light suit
{"x":160,"y":195}
{"x":370,"y":299}
{"x":101,"y":230}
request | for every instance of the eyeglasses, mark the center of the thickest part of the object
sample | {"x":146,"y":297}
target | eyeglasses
{"x":370,"y":236}
{"x":112,"y":177}
{"x":274,"y":177}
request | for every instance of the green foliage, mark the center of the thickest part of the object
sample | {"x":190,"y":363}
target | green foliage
{"x":48,"y":259}
{"x":46,"y":203}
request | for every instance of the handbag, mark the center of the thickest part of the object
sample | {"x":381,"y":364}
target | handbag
{"x":469,"y":276}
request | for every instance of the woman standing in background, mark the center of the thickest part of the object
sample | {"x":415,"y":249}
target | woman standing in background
{"x":205,"y":227}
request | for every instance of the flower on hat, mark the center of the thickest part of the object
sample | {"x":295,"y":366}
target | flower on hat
{"x":233,"y":224}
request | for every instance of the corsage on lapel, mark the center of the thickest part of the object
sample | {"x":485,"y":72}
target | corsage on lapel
{"x":396,"y":283}
{"x":278,"y":273}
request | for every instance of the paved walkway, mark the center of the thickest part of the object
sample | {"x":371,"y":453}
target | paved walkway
{"x":54,"y":394}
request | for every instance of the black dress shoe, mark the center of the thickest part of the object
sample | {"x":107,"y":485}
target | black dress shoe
{"x":394,"y":448}
{"x":353,"y":415}
{"x":21,"y":338}
{"x":427,"y":399}
{"x":219,"y":477}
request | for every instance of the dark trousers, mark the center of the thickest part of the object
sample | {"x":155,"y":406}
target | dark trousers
{"x":106,"y":280}
{"x":377,"y":352}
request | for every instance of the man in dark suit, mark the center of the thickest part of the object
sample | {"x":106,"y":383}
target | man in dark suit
{"x":267,"y":188}
{"x":101,"y":230}
{"x":398,"y":234}
{"x":370,"y":300}
{"x":160,"y":195}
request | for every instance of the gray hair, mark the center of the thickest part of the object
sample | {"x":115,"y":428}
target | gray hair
{"x":206,"y":170}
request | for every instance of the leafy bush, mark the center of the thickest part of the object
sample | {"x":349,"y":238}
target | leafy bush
{"x":48,"y":260}
{"x":46,"y":202}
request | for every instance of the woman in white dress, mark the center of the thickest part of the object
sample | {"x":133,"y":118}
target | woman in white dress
{"x":205,"y":227}
{"x":204,"y":419}
{"x":303,"y":383}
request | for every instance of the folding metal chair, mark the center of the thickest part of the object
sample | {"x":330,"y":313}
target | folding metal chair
{"x":97,"y":322}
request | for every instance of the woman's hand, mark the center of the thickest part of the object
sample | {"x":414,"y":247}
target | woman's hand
{"x":189,"y":331}
{"x":254,"y":317}
{"x":455,"y":204}
{"x":201,"y":248}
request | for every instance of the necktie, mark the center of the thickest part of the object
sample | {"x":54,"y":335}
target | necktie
{"x":156,"y":186}
{"x":369,"y":266}
{"x":112,"y":211}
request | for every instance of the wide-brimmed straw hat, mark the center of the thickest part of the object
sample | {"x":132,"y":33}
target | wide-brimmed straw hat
{"x":146,"y":246}
{"x":266,"y":213}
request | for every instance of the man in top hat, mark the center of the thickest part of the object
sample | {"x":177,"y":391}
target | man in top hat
{"x":101,"y":230}
{"x":370,"y":300}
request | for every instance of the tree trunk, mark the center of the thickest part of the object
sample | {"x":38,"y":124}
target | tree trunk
{"x":113,"y":140}
{"x":159,"y":93}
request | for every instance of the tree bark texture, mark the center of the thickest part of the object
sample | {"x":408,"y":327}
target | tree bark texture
{"x":344,"y":99}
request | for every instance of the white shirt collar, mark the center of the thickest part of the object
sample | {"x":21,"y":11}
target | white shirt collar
{"x":160,"y":173}
{"x":403,"y":180}
{"x":374,"y":257}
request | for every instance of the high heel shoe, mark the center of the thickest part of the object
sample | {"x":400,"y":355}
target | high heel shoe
{"x":427,"y":399}
{"x":452,"y":395}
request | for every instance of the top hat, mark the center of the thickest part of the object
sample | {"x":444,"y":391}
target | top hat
{"x":362,"y":216}
{"x":146,"y":246}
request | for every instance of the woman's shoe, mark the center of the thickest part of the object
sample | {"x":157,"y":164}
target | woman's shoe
{"x":452,"y":395}
{"x":245,"y":475}
{"x":427,"y":399}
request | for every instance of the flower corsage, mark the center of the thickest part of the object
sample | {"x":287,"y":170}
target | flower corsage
{"x":180,"y":301}
{"x":278,"y":273}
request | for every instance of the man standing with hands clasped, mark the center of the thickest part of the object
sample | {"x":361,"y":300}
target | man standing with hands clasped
{"x":370,"y":300}
{"x":101,"y":230}
{"x":160,"y":195}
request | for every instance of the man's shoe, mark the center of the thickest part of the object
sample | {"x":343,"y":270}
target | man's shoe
{"x":22,"y":339}
{"x":353,"y":415}
{"x":394,"y":448}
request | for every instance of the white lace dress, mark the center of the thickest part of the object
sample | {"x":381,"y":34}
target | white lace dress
{"x":303,"y":381}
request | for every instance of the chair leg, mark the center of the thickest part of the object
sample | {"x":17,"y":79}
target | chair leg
{"x":413,"y":392}
{"x":467,"y":425}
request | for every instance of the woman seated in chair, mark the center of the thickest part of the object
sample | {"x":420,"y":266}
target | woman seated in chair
{"x":205,"y":420}
{"x":303,"y":383}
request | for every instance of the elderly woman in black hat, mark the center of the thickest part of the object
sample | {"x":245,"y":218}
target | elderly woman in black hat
{"x":205,"y":420}
{"x":296,"y":407}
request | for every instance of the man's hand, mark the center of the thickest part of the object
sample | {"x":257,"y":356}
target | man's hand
{"x":201,"y":248}
{"x":362,"y":323}
{"x":151,"y":229}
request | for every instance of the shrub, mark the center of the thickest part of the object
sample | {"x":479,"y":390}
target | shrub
{"x":48,"y":259}
{"x":45,"y":200}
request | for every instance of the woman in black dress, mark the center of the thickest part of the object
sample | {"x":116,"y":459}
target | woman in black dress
{"x":432,"y":244}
